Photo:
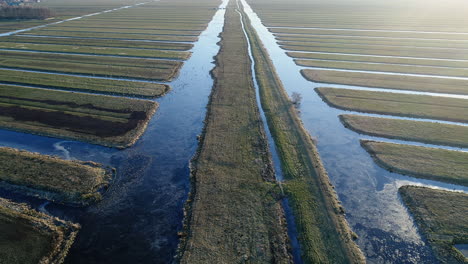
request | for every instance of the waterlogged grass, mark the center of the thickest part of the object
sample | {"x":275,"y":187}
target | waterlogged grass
{"x":62,"y":181}
{"x":324,"y":234}
{"x":417,"y":106}
{"x":385,"y":67}
{"x":99,"y":43}
{"x":98,"y":119}
{"x":422,"y":162}
{"x":30,"y":237}
{"x":235,"y":214}
{"x":441,"y":216}
{"x":426,"y":132}
{"x":97,"y":50}
{"x":92,"y":85}
{"x":124,"y":25}
{"x":397,"y":82}
{"x":159,"y":70}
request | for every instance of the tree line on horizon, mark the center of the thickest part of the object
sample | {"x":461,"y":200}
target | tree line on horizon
{"x":25,"y":12}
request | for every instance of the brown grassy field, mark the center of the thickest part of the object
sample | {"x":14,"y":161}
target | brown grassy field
{"x":422,"y":162}
{"x":98,"y":119}
{"x":235,"y":215}
{"x":30,"y":237}
{"x":47,"y":177}
{"x":441,"y":216}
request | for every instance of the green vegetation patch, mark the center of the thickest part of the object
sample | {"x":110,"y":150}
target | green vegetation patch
{"x":441,"y":216}
{"x":104,"y":120}
{"x":385,"y":67}
{"x":96,"y":50}
{"x":426,"y":132}
{"x":30,"y":237}
{"x":417,"y":106}
{"x":98,"y":43}
{"x":112,"y":35}
{"x":47,"y":177}
{"x":324,"y":234}
{"x":422,"y":162}
{"x":147,"y":69}
{"x":235,"y":215}
{"x":92,"y":85}
{"x":397,"y":82}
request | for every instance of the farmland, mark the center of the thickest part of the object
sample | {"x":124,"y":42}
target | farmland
{"x":69,"y":182}
{"x":420,"y":131}
{"x":441,"y":216}
{"x":422,"y":162}
{"x":43,"y":239}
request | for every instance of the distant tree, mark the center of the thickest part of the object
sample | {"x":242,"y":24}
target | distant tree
{"x":296,"y":99}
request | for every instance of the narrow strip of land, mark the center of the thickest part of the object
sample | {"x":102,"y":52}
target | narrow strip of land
{"x":441,"y":216}
{"x":51,"y":178}
{"x":422,"y":162}
{"x":417,"y":106}
{"x":84,"y":84}
{"x":98,"y":119}
{"x":235,"y":215}
{"x":30,"y":237}
{"x":396,"y":82}
{"x":324,"y":234}
{"x":426,"y":132}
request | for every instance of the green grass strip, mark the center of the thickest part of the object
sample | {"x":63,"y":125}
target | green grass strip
{"x":62,"y":181}
{"x":396,"y":82}
{"x":417,"y":106}
{"x":421,"y":162}
{"x":426,"y":132}
{"x":441,"y":217}
{"x":92,"y":85}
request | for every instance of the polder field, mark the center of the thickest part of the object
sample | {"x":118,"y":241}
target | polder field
{"x":396,"y":75}
{"x":90,"y":76}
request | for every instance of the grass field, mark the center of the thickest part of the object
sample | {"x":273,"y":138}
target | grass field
{"x":98,"y":119}
{"x":324,"y":234}
{"x":91,"y":85}
{"x":426,"y":132}
{"x":397,"y":82}
{"x":417,"y":106}
{"x":385,"y":67}
{"x":235,"y":215}
{"x":441,"y":216}
{"x":47,"y":177}
{"x":158,"y":70}
{"x":422,"y":162}
{"x":97,"y":43}
{"x":30,"y":237}
{"x":97,"y":50}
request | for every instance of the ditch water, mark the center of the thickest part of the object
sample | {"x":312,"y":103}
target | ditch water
{"x":141,"y":213}
{"x":387,"y":233}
